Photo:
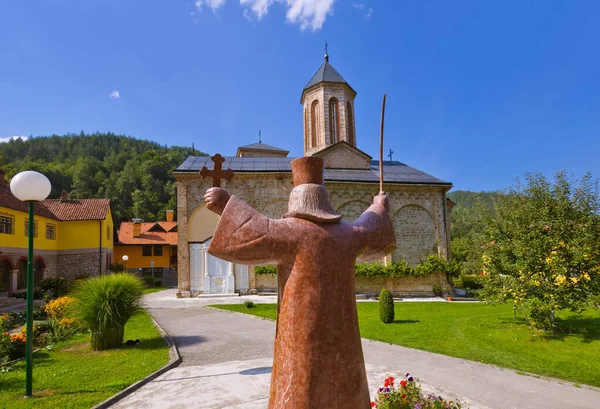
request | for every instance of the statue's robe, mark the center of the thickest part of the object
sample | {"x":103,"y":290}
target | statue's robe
{"x":318,"y":361}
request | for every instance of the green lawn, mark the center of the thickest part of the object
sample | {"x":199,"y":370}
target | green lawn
{"x":483,"y":333}
{"x":73,"y":376}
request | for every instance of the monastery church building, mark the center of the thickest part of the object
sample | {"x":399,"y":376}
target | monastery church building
{"x":263,"y":179}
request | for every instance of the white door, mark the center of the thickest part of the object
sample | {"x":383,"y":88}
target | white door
{"x":219,"y":277}
{"x":197,"y":264}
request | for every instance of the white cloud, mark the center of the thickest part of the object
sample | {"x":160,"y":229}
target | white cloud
{"x":213,"y":4}
{"x":10,"y":138}
{"x":258,"y":8}
{"x":114,"y":95}
{"x":306,"y":13}
{"x":361,"y":7}
{"x":309,"y":13}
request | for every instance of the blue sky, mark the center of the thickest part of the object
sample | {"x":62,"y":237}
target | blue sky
{"x":479,"y":92}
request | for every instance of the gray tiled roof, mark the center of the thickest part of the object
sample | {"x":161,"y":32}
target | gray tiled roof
{"x":394,"y":171}
{"x":326,"y":73}
{"x":262,"y":146}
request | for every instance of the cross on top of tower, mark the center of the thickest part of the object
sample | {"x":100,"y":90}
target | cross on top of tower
{"x":326,"y":53}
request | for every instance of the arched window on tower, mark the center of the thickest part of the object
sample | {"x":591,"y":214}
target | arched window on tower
{"x":350,"y":124}
{"x":314,"y":123}
{"x":334,"y":119}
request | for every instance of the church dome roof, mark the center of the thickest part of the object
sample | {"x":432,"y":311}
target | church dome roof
{"x":326,"y":73}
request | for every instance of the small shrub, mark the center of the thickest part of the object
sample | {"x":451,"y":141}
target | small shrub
{"x":14,"y":319}
{"x":55,"y":286}
{"x":268,"y":269}
{"x":408,"y":395}
{"x":249,"y":304}
{"x":149,"y":281}
{"x":12,"y":346}
{"x":116,"y":267}
{"x":58,"y":308}
{"x":105,"y":304}
{"x":437,"y":290}
{"x":6,"y":322}
{"x":61,"y":323}
{"x":386,"y":307}
{"x":63,"y":328}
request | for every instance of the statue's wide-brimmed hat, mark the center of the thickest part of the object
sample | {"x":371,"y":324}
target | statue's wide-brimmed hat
{"x":309,"y":199}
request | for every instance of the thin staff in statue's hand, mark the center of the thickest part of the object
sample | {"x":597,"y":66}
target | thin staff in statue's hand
{"x":381,"y":192}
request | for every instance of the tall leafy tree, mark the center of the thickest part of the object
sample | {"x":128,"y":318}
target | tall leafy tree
{"x":542,"y":248}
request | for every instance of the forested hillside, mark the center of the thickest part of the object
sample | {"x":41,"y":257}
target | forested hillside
{"x":135,"y":174}
{"x":466,"y":227}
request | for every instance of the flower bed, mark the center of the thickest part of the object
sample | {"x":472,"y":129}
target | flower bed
{"x":407,"y":394}
{"x":59,"y":326}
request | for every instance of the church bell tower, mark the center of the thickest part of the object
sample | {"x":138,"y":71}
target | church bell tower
{"x":328,"y":103}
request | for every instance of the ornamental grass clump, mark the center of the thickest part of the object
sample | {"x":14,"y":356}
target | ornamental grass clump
{"x":386,"y":307}
{"x":105,"y":304}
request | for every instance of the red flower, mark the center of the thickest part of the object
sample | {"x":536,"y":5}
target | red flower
{"x":403,"y":382}
{"x":373,"y":404}
{"x":403,"y":395}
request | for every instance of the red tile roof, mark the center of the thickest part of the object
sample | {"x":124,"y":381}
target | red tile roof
{"x":7,"y":199}
{"x":148,"y":237}
{"x":83,"y":209}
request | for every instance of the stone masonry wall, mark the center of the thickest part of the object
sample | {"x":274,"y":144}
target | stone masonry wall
{"x":420,"y":227}
{"x":74,"y":264}
{"x":401,"y":286}
{"x":48,"y":257}
{"x":344,"y":157}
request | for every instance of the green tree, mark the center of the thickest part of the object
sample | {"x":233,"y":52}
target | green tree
{"x":137,"y":175}
{"x":542,"y":248}
{"x":465,"y":223}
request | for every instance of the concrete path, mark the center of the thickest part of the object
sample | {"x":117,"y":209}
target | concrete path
{"x":227,"y":364}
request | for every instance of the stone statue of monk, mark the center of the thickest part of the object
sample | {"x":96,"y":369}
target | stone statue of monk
{"x":318,"y":361}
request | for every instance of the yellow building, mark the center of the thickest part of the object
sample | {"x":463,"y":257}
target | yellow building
{"x":71,"y":238}
{"x":150,"y":247}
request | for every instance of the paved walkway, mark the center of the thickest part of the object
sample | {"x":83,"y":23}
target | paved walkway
{"x":227,"y":364}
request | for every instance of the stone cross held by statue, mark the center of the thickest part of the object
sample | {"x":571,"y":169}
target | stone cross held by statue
{"x":217,"y":173}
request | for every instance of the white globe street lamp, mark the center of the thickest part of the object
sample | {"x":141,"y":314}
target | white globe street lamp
{"x":125,"y":258}
{"x":30,"y":187}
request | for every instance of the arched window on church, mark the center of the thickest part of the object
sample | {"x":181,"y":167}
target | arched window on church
{"x":350,"y":124}
{"x":314,"y":123}
{"x":334,"y":119}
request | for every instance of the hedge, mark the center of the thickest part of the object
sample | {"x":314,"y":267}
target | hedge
{"x":432,"y":264}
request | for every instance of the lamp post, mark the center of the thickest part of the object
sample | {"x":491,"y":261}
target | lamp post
{"x":125,"y":258}
{"x":30,"y":187}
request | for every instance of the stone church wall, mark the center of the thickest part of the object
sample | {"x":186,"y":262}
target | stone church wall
{"x":371,"y":286}
{"x":418,"y":212}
